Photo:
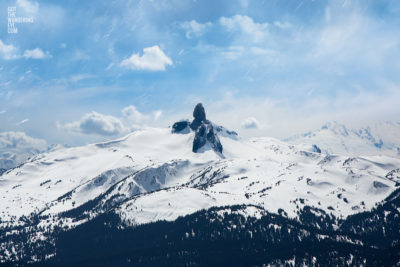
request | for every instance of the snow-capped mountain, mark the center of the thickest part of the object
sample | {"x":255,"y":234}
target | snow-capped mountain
{"x":193,"y":169}
{"x":335,"y":138}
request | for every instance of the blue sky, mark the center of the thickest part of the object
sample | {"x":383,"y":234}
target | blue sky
{"x":85,"y":71}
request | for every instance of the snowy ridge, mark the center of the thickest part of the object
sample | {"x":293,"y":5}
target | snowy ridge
{"x":153,"y":174}
{"x":335,"y":138}
{"x":264,"y":172}
{"x":283,"y":178}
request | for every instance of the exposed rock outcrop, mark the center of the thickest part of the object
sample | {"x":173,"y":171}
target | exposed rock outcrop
{"x":205,"y":134}
{"x":205,"y":131}
{"x":199,"y":115}
{"x":180,"y":126}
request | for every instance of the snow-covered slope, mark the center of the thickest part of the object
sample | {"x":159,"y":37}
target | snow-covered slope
{"x":264,"y":172}
{"x":335,"y":138}
{"x":273,"y":175}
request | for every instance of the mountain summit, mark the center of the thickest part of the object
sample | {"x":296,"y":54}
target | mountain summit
{"x":205,"y":131}
{"x":199,"y":115}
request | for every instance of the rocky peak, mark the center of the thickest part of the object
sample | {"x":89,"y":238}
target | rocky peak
{"x":199,"y":115}
{"x":205,"y":134}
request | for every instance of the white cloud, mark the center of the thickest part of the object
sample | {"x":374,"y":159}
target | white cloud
{"x":36,"y":53}
{"x":8,"y":52}
{"x":195,"y":29}
{"x":251,"y":123}
{"x":29,"y":7}
{"x":17,"y":147}
{"x":11,"y":140}
{"x":96,"y":123}
{"x":2,"y":111}
{"x":132,"y":114}
{"x":153,"y":59}
{"x":245,"y":24}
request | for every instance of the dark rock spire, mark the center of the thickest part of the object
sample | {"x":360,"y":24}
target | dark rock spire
{"x":205,"y":134}
{"x":199,"y":115}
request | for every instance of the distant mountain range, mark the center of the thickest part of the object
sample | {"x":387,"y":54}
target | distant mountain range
{"x":197,"y":194}
{"x":335,"y":138}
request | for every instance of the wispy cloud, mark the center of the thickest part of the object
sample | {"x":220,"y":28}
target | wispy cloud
{"x":79,"y":77}
{"x":245,"y":24}
{"x":22,"y":122}
{"x":195,"y":29}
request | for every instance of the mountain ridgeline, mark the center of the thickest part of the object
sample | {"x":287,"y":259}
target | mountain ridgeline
{"x":198,"y":195}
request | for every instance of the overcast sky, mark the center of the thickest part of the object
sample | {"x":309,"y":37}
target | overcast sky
{"x":85,"y":71}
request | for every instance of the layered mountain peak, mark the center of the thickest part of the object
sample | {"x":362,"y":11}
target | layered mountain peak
{"x":205,"y":131}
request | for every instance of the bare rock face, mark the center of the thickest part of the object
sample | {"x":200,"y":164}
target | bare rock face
{"x":199,"y":115}
{"x":199,"y":138}
{"x":205,"y":134}
{"x":180,"y":126}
